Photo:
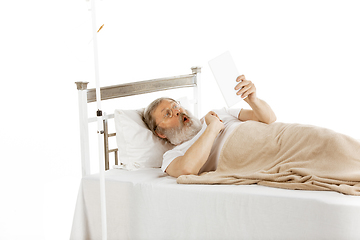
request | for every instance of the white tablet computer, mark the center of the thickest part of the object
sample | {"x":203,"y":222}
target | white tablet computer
{"x":225,"y":73}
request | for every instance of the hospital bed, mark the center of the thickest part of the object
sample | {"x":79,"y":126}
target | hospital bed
{"x":142,"y":202}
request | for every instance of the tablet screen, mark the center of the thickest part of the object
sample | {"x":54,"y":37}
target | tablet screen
{"x":225,"y":74}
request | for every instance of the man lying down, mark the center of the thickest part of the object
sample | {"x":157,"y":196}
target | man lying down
{"x":247,"y":146}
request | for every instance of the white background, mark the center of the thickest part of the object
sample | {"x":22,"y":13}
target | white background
{"x":303,"y":57}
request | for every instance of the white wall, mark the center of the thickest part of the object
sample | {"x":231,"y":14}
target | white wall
{"x":303,"y":57}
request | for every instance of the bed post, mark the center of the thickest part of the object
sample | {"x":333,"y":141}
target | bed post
{"x":84,"y":129}
{"x":197,"y":95}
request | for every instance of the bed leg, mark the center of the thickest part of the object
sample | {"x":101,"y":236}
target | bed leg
{"x":84,"y":129}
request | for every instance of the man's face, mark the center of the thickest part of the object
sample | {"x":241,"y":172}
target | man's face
{"x":174,"y":123}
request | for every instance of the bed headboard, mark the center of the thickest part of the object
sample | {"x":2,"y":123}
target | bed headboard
{"x":86,"y":96}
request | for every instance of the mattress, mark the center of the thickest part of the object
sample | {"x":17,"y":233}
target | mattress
{"x":148,"y":204}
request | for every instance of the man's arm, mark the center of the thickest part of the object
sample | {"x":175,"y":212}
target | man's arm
{"x":260,"y":111}
{"x":196,"y":156}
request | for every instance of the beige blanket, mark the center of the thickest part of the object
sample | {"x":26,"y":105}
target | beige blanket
{"x":291,"y":156}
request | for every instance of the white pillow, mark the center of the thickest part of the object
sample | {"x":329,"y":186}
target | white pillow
{"x":138,"y":146}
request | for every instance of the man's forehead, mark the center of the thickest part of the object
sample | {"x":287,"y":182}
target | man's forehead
{"x":164,"y":104}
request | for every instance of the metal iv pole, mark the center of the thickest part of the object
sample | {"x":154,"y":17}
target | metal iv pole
{"x":100,"y":130}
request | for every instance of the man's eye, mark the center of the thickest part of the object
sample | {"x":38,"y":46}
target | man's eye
{"x":168,"y":113}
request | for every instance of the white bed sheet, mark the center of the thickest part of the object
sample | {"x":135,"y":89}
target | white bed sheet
{"x":148,"y":204}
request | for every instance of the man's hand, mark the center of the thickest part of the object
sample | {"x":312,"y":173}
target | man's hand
{"x":260,"y":111}
{"x":213,"y":120}
{"x":246,"y":89}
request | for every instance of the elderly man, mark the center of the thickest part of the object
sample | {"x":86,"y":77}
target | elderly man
{"x":198,"y":142}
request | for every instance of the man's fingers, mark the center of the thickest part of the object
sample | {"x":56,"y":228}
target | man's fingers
{"x":240,"y":78}
{"x":244,"y":89}
{"x":243,"y":84}
{"x":248,"y":92}
{"x":218,"y":117}
{"x":215,"y":115}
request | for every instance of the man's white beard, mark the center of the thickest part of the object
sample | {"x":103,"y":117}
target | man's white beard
{"x":186,"y":130}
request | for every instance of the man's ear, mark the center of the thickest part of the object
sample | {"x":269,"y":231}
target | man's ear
{"x":160,"y":135}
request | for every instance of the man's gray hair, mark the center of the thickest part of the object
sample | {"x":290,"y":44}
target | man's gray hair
{"x":148,"y":113}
